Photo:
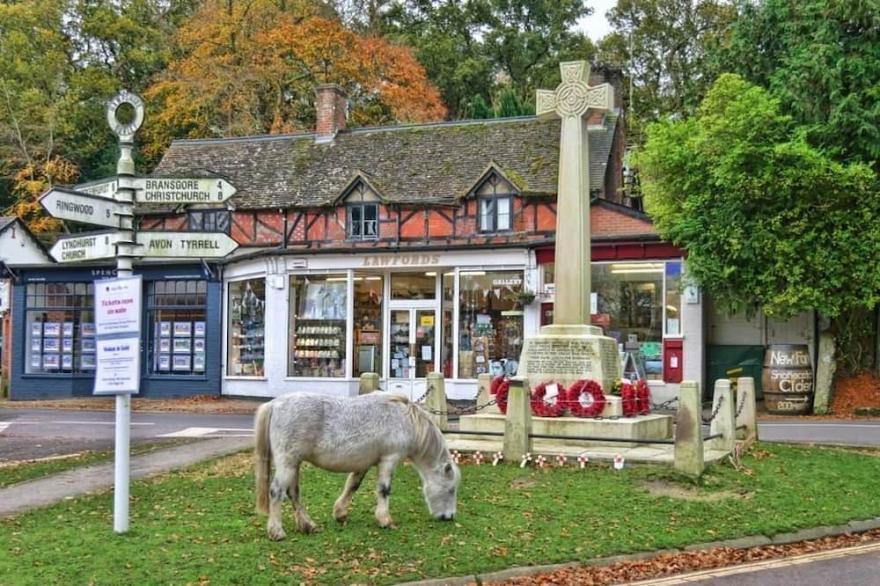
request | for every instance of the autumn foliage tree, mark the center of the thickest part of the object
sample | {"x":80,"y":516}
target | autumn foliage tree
{"x":252,"y":68}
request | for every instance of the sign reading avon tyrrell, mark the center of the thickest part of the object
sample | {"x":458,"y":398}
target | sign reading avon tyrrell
{"x":182,"y":190}
{"x":84,"y":247}
{"x":185,"y":244}
{"x":76,"y":206}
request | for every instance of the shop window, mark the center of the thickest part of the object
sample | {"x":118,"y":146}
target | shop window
{"x":60,"y":328}
{"x":495,"y":204}
{"x":367,"y":324}
{"x":247,"y":330}
{"x":490,"y":323}
{"x":447,"y":332}
{"x":414,"y":285}
{"x":176,"y":327}
{"x":673,"y":298}
{"x":208,"y":221}
{"x":318,"y":325}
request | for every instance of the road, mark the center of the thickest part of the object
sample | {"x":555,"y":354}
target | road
{"x":852,"y":433}
{"x":38,"y":433}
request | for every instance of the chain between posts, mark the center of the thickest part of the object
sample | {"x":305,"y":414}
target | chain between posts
{"x":742,"y":403}
{"x":715,"y":411}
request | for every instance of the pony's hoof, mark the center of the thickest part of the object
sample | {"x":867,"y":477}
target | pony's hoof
{"x":341,"y":519}
{"x":389,"y":524}
{"x":308,"y":528}
{"x":277,"y":534}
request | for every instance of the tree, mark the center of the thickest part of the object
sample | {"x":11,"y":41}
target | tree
{"x":821,"y":59}
{"x":664,"y":47}
{"x":251,"y":68}
{"x":768,"y":220}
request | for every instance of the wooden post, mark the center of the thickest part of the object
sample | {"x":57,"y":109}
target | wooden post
{"x":369,"y":382}
{"x":518,"y":422}
{"x":688,"y":458}
{"x":436,"y":399}
{"x":724,"y":421}
{"x":747,"y":413}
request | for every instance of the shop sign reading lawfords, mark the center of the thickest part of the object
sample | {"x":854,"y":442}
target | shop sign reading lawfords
{"x":118,"y":335}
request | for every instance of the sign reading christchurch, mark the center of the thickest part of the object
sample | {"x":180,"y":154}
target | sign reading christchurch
{"x":182,"y":190}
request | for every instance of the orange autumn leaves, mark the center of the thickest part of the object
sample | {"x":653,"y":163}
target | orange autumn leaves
{"x":253,"y":72}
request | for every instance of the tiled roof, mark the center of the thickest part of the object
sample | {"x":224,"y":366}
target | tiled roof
{"x":426,"y":164}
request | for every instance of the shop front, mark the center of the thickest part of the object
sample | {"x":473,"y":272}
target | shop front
{"x":317,"y":323}
{"x":54,"y":355}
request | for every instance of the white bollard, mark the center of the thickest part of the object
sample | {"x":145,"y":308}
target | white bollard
{"x":688,"y":458}
{"x":723,"y":421}
{"x":518,"y":422}
{"x":746,"y":420}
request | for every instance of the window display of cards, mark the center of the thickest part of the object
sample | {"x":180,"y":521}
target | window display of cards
{"x":199,"y":363}
{"x":164,"y":345}
{"x":182,"y":328}
{"x":37,"y":345}
{"x":36,"y":361}
{"x":67,"y":345}
{"x":67,"y":329}
{"x":51,"y":328}
{"x":182,"y":346}
{"x":181,"y":362}
{"x":164,"y":362}
{"x":87,"y":328}
{"x":51,"y":345}
{"x":87,"y":344}
{"x":199,"y":329}
{"x":165,"y":329}
{"x":67,"y":362}
{"x":88,"y":362}
{"x":51,"y":361}
{"x":36,"y":329}
{"x":198,"y":345}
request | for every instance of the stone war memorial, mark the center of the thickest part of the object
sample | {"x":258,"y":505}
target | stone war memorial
{"x":570,"y":350}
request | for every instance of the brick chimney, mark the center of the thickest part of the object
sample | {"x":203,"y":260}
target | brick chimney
{"x":331,"y":106}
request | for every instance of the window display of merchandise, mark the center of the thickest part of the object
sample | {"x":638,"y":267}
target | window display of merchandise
{"x":60,"y":328}
{"x":400,"y":355}
{"x":246,"y":345}
{"x":319,"y":348}
{"x":367,"y":324}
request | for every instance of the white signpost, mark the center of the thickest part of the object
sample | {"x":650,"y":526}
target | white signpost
{"x":76,"y":206}
{"x":85,"y":247}
{"x":185,"y":244}
{"x":110,"y":202}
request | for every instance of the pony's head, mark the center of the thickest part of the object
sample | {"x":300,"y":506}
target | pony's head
{"x":440,"y":487}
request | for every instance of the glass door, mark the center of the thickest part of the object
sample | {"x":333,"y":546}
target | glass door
{"x":412,"y":340}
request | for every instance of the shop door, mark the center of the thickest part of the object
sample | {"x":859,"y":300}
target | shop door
{"x":412,"y":348}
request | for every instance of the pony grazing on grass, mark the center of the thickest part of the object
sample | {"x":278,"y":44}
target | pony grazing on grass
{"x":348,"y":435}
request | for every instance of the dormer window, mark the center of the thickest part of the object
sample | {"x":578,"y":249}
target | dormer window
{"x":495,"y":204}
{"x":363,"y":213}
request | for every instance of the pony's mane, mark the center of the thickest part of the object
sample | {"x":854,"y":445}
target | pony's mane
{"x":429,"y":438}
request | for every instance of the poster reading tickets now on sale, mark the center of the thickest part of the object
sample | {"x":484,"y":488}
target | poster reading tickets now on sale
{"x":118,"y":335}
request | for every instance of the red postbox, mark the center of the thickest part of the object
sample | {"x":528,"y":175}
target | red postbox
{"x":673,"y":359}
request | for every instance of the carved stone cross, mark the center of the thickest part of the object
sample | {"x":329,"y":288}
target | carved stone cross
{"x":571,"y":102}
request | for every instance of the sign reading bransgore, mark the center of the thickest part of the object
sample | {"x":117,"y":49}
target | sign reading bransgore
{"x":182,"y":190}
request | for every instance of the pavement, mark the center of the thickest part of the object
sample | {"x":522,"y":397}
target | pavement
{"x":49,"y":490}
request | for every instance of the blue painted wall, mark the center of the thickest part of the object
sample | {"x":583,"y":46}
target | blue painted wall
{"x":56,"y":386}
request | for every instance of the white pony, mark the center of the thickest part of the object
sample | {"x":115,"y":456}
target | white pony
{"x":348,"y":435}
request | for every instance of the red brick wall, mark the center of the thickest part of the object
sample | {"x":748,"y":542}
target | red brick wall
{"x":606,"y":222}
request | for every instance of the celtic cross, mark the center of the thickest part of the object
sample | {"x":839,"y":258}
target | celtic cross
{"x":571,"y":102}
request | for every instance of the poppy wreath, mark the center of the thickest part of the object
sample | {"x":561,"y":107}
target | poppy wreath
{"x":628,"y":399}
{"x":585,"y":399}
{"x":542,"y":408}
{"x":643,"y":397}
{"x":499,"y":387}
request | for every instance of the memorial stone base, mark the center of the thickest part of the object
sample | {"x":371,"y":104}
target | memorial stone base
{"x":565,"y":354}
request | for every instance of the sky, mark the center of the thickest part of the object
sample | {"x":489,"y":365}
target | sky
{"x":596,"y":26}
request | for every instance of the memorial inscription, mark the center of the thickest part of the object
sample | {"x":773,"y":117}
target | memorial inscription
{"x":560,"y":356}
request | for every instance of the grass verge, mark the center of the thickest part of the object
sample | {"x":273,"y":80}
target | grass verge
{"x":33,"y":469}
{"x":199,"y":525}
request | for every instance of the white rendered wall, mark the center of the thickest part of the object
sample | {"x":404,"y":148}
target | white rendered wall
{"x":18,"y":248}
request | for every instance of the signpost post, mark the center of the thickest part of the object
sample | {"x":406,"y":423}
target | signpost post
{"x":110,"y":202}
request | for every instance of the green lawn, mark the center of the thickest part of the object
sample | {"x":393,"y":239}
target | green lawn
{"x":30,"y":470}
{"x":200,"y":525}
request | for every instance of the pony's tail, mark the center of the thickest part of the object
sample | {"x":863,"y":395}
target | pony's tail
{"x":262,"y":455}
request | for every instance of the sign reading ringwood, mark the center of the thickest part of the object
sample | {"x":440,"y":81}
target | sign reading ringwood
{"x":118,"y":335}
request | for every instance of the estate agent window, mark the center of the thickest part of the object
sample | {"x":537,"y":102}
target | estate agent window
{"x":176,"y":327}
{"x":495,"y":203}
{"x":60,"y":332}
{"x":490,"y":322}
{"x":318,"y":305}
{"x":246,"y":344}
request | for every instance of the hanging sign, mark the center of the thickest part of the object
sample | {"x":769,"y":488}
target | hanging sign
{"x":68,"y":204}
{"x":118,"y":335}
{"x":185,"y":244}
{"x":84,"y":247}
{"x":182,"y":190}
